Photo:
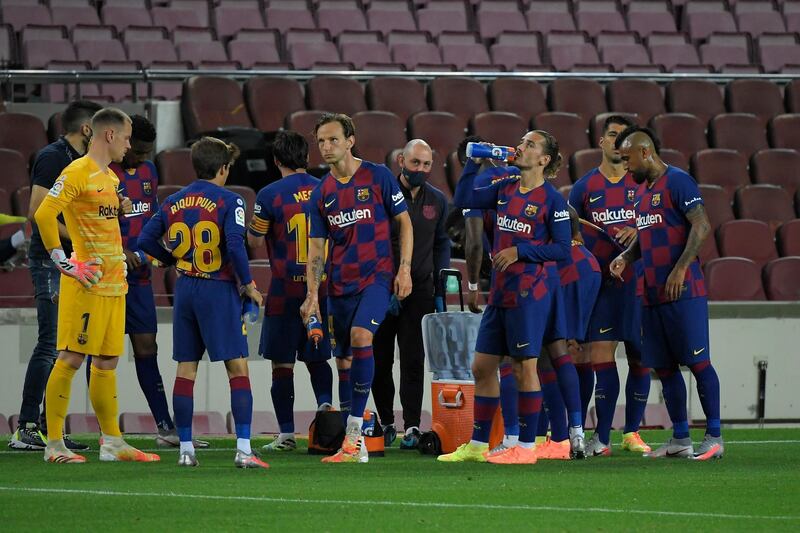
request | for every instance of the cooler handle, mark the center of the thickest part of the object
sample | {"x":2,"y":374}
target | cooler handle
{"x":451,"y":400}
{"x":443,"y":275}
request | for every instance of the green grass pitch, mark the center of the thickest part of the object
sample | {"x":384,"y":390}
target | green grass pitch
{"x":754,"y":487}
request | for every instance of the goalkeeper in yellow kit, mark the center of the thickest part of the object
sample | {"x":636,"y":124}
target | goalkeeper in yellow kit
{"x":91,"y":306}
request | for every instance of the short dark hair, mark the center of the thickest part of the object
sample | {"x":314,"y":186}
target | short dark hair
{"x":290,"y":149}
{"x":77,"y":113}
{"x":210,"y":154}
{"x":462,"y":146}
{"x":630,"y":130}
{"x":551,"y":149}
{"x":621,"y":120}
{"x":142,"y":129}
{"x":109,"y":116}
{"x":347,"y":123}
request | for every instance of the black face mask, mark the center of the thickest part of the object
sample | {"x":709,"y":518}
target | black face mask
{"x":415,"y":178}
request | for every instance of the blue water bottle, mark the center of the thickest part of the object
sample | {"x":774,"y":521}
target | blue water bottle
{"x":314,"y":329}
{"x":488,"y":151}
{"x":249,"y":310}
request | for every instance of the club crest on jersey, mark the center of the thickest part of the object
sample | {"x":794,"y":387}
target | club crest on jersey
{"x":631,"y":195}
{"x":656,"y":200}
{"x":147,"y":188}
{"x":362,"y":194}
{"x":429,"y":211}
{"x":531,"y":210}
{"x":82,"y":338}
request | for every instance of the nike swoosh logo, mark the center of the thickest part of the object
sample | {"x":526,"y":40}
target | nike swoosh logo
{"x":522,"y":345}
{"x":637,"y":203}
{"x":129,"y":215}
{"x":501,"y":202}
{"x":101,"y":190}
{"x":605,"y":330}
{"x":374,"y":323}
{"x":698,"y":352}
{"x":679,"y":452}
{"x":328,"y":204}
{"x":593,"y":200}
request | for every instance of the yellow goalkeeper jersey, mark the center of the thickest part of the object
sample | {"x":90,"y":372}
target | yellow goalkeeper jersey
{"x":87,"y":196}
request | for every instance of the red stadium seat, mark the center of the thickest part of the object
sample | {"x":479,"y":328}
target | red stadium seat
{"x":21,"y":201}
{"x":82,"y":423}
{"x":171,"y":18}
{"x":597,"y":123}
{"x":410,"y":55}
{"x":137,"y":423}
{"x":441,"y":16}
{"x":271,"y":99}
{"x":777,"y":166}
{"x":717,"y":204}
{"x":249,"y":197}
{"x":752,"y":239}
{"x":340,"y":15}
{"x":758,"y":97}
{"x":303,"y":122}
{"x":390,"y":15}
{"x":336,"y":94}
{"x":673,"y":54}
{"x":580,"y":96}
{"x":644,"y":98}
{"x":261,"y":273}
{"x":674,"y":158}
{"x":264,"y":422}
{"x":718,"y":166}
{"x":377,"y":134}
{"x":767,"y":203}
{"x":788,"y":238}
{"x":784,"y":131}
{"x":401,"y":96}
{"x":743,"y":132}
{"x":525,"y":98}
{"x":583,"y":161}
{"x":782,"y":279}
{"x":16,"y":289}
{"x":463,"y":97}
{"x":208,"y":423}
{"x":598,"y":15}
{"x":251,"y":47}
{"x":211,"y":102}
{"x":96,"y":51}
{"x":649,"y":17}
{"x":285,"y":16}
{"x":231,"y":18}
{"x":5,"y":202}
{"x":496,"y":17}
{"x":122,"y":16}
{"x":15,"y":170}
{"x":700,"y":98}
{"x":568,"y":128}
{"x":703,"y":24}
{"x":547,"y":16}
{"x":442,"y":131}
{"x":175,"y":167}
{"x":733,"y":279}
{"x":680,"y":131}
{"x":22,"y":132}
{"x":360,"y":53}
{"x":709,"y":250}
{"x":499,"y":127}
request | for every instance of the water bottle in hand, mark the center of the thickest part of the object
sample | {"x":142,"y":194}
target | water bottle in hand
{"x":250,"y":310}
{"x":314,"y":328}
{"x":488,"y":151}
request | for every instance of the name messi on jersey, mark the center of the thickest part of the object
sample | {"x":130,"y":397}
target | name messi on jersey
{"x":193,"y":201}
{"x":650,"y":219}
{"x":348,"y":218}
{"x":613,"y":216}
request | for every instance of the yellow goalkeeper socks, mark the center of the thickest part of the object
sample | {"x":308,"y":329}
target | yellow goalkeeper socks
{"x":103,"y":395}
{"x":57,"y":394}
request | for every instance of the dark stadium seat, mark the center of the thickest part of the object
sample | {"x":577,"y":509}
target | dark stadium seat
{"x":759,"y":97}
{"x":303,"y":122}
{"x":581,"y":96}
{"x":96,"y":51}
{"x":211,"y":102}
{"x":648,"y":17}
{"x":264,"y":422}
{"x":377,"y":134}
{"x":21,"y":201}
{"x":499,"y":127}
{"x":19,"y":16}
{"x":777,"y":166}
{"x":752,"y":239}
{"x":546,"y":16}
{"x":523,"y":97}
{"x":171,"y":18}
{"x":444,"y":15}
{"x":42,"y":32}
{"x":583,"y":161}
{"x":232,"y":17}
{"x":149,"y":52}
{"x":390,"y":15}
{"x":249,"y":197}
{"x":5,"y":202}
{"x":462,"y":55}
{"x":756,"y":18}
{"x":782,"y":279}
{"x":22,"y":132}
{"x":565,"y":56}
{"x":16,"y":289}
{"x":83,"y":32}
{"x":598,"y":15}
{"x":792,"y":94}
{"x":401,"y":96}
{"x":568,"y":128}
{"x":680,"y":131}
{"x":788,"y":237}
{"x":340,"y":15}
{"x":743,"y":132}
{"x":641,"y":97}
{"x":137,"y":423}
{"x":251,"y":52}
{"x":303,"y":55}
{"x":144,"y":33}
{"x":7,"y":45}
{"x":768,"y":203}
{"x":283,"y":16}
{"x":122,"y":16}
{"x":709,"y":250}
{"x":597,"y":122}
{"x":271,"y":99}
{"x":175,"y":167}
{"x":717,"y":204}
{"x":700,"y":98}
{"x":298,"y":35}
{"x":718,"y":55}
{"x":71,"y":15}
{"x":723,"y":167}
{"x":197,"y":52}
{"x":496,"y":17}
{"x":412,"y":54}
{"x":36,"y":54}
{"x":784,"y":131}
{"x":463,"y":97}
{"x":620,"y":55}
{"x":15,"y":170}
{"x":672,"y":54}
{"x":511,"y":56}
{"x":701,"y":24}
{"x":442,"y":131}
{"x":208,"y":423}
{"x":733,"y":279}
{"x":82,"y":423}
{"x":335,"y":94}
{"x":362,"y":53}
{"x":775,"y":56}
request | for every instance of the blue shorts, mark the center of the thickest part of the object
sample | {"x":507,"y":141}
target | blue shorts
{"x":675,"y":333}
{"x":514,"y":331}
{"x":207,"y":316}
{"x":366,"y":309}
{"x":140,"y":310}
{"x":556,"y":327}
{"x":579,"y":299}
{"x":284,"y":338}
{"x":617,"y":314}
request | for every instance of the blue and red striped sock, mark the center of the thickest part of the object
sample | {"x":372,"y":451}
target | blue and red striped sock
{"x":586,"y":385}
{"x":183,"y":405}
{"x":152,"y":386}
{"x":570,"y":391}
{"x":674,"y":390}
{"x":708,"y":390}
{"x":241,"y":406}
{"x":606,"y":393}
{"x":508,"y":399}
{"x":361,"y":374}
{"x":345,"y":393}
{"x":555,"y":409}
{"x":637,"y":390}
{"x":282,"y":392}
{"x":321,"y":381}
{"x":483,"y":411}
{"x":530,"y":404}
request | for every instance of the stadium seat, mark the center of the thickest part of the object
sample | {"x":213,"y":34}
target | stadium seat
{"x":210,"y":102}
{"x":723,"y":167}
{"x":401,"y":96}
{"x":701,"y":24}
{"x":752,"y":239}
{"x":197,"y":52}
{"x":784,"y":131}
{"x":547,"y":16}
{"x":768,"y":203}
{"x":96,"y":51}
{"x":565,"y":56}
{"x":83,"y":32}
{"x":499,"y":127}
{"x":788,"y":237}
{"x":758,"y":21}
{"x":71,"y":15}
{"x":297,"y":35}
{"x":700,"y":98}
{"x":598,"y":15}
{"x":496,"y":17}
{"x":680,"y":131}
{"x":523,"y":97}
{"x":583,"y":161}
{"x":15,"y":170}
{"x":335,"y":94}
{"x":512,"y":56}
{"x":232,"y":17}
{"x":598,"y":121}
{"x":137,"y":423}
{"x":648,"y":17}
{"x":672,"y":54}
{"x":743,"y":132}
{"x":340,"y":15}
{"x":5,"y":202}
{"x":377,"y":134}
{"x":581,"y":96}
{"x":444,"y":15}
{"x":171,"y":18}
{"x":709,"y":250}
{"x":644,"y":98}
{"x":304,"y":55}
{"x":443,"y":131}
{"x":249,"y":197}
{"x":175,"y":167}
{"x":362,"y":53}
{"x":775,"y":57}
{"x":792,"y":96}
{"x":82,"y":423}
{"x":208,"y":423}
{"x":122,"y":16}
{"x":463,"y":97}
{"x":733,"y":279}
{"x":759,"y":97}
{"x":21,"y":201}
{"x":38,"y":53}
{"x":16,"y":289}
{"x":19,"y":16}
{"x":271,"y":99}
{"x":717,"y":55}
{"x":283,"y":16}
{"x":568,"y":128}
{"x":264,"y":422}
{"x":149,"y":52}
{"x":717,"y":204}
{"x":782,"y":279}
{"x":390,"y":15}
{"x":22,"y":132}
{"x":621,"y":55}
{"x":454,"y":169}
{"x":466,"y":57}
{"x":410,"y":55}
{"x":777,"y":166}
{"x":13,"y":421}
{"x":303,"y":122}
{"x":7,"y":45}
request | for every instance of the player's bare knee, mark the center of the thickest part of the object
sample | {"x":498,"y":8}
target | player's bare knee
{"x":237,"y":367}
{"x":282,"y":365}
{"x":484,"y":366}
{"x":187,"y":370}
{"x":344,"y":363}
{"x":144,"y":345}
{"x":603,"y":352}
{"x":360,"y":337}
{"x":105,"y":362}
{"x":75,"y":360}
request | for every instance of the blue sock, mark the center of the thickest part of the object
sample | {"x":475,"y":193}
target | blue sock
{"x":570,"y":391}
{"x":345,"y":393}
{"x":637,"y":390}
{"x":241,"y":405}
{"x":530,"y":404}
{"x":183,"y":405}
{"x":508,"y":399}
{"x":555,"y":410}
{"x":606,"y":393}
{"x":362,"y":372}
{"x":282,"y":392}
{"x":674,"y":390}
{"x":483,"y":412}
{"x":586,"y":385}
{"x":321,"y":381}
{"x":708,"y":390}
{"x":153,"y":388}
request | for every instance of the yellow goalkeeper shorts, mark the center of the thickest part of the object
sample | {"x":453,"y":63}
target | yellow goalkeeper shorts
{"x":89,"y":324}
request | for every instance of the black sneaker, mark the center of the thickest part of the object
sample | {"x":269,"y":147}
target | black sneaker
{"x":389,"y":435}
{"x":29,"y":437}
{"x":410,"y":440}
{"x":72,"y":445}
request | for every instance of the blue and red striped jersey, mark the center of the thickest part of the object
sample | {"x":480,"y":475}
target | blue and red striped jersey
{"x":141,"y":186}
{"x":356,"y":216}
{"x":282,"y":216}
{"x":663,"y":232}
{"x":580,"y":264}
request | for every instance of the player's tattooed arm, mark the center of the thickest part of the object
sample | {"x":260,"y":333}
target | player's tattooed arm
{"x":701,"y":227}
{"x":315,"y":270}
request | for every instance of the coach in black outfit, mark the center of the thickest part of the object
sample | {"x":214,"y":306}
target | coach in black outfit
{"x":427,"y":207}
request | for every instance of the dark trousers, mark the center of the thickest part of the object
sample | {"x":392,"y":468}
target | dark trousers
{"x":6,"y":250}
{"x":46,"y":279}
{"x":407,"y":329}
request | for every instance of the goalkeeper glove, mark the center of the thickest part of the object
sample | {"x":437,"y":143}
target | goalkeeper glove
{"x":86,"y":273}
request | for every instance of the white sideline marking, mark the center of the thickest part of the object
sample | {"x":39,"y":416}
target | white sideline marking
{"x":437,"y":505}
